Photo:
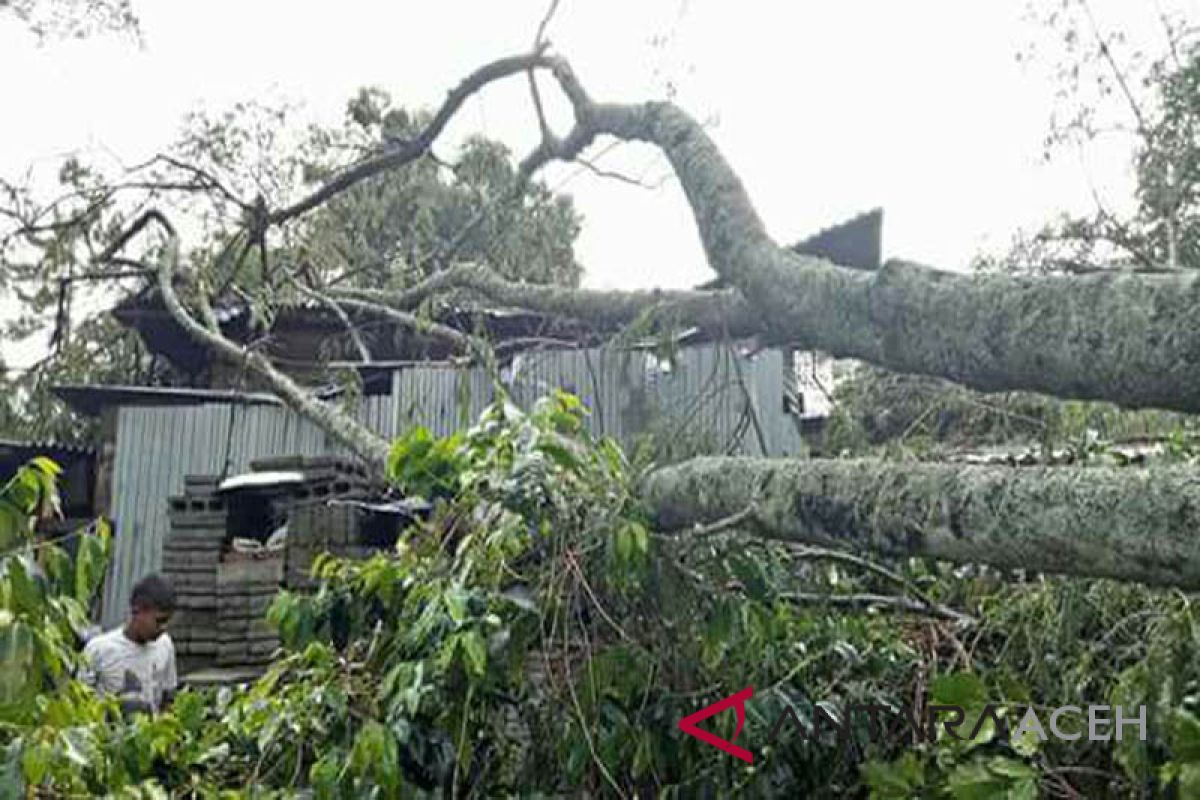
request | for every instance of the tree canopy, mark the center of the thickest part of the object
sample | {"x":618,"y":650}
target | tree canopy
{"x":388,"y":232}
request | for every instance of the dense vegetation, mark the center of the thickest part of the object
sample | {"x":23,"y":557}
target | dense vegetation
{"x":535,"y":637}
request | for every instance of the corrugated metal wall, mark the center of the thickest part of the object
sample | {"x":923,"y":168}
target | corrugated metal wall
{"x":704,"y":392}
{"x":158,"y":446}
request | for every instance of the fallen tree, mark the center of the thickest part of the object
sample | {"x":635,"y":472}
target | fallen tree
{"x":1114,"y":522}
{"x":1133,"y":339}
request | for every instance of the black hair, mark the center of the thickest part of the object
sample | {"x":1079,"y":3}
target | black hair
{"x":153,"y":591}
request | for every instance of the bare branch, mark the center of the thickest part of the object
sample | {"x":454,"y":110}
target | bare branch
{"x":723,"y":525}
{"x":540,"y":37}
{"x":539,"y":46}
{"x":456,"y":337}
{"x":881,"y":602}
{"x":418,"y":146}
{"x":342,"y":427}
{"x":137,"y":269}
{"x":825,"y":554}
{"x":543,"y":125}
{"x":604,"y":173}
{"x":338,"y":311}
{"x":206,"y":178}
{"x":136,"y":227}
{"x":1117,"y":72}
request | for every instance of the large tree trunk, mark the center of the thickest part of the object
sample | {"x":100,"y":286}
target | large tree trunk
{"x":1131,"y":339}
{"x":1126,"y":523}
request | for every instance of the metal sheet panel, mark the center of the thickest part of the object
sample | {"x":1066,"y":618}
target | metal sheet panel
{"x":158,"y":446}
{"x":706,"y":392}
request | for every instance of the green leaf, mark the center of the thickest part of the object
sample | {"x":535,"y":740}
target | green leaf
{"x":18,"y":671}
{"x":47,"y":466}
{"x":959,"y":689}
{"x":562,"y":455}
{"x":12,"y":780}
{"x":475,"y":650}
{"x":624,"y":545}
{"x":1185,"y":736}
{"x":456,"y":604}
{"x":35,"y":763}
{"x":998,"y":777}
{"x":895,"y":780}
{"x":1189,"y":780}
{"x":91,"y":560}
{"x":325,"y":774}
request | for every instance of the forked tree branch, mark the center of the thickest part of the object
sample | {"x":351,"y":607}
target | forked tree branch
{"x":416,"y":147}
{"x":713,"y":311}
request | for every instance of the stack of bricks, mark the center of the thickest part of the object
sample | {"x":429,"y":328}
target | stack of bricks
{"x":324,"y":476}
{"x":246,"y":585}
{"x":191,"y":557}
{"x":315,"y":526}
{"x":223,"y":595}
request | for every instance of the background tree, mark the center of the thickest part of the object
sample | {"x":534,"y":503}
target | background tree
{"x":1109,"y":89}
{"x":386,"y":232}
{"x":72,"y":18}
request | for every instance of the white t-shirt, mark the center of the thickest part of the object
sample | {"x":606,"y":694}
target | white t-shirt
{"x":115,"y":664}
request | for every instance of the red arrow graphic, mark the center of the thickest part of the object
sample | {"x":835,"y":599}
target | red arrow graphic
{"x":688,"y":724}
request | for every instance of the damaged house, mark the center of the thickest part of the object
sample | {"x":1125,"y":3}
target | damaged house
{"x":218,"y":484}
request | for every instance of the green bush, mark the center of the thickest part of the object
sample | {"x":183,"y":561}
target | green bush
{"x":535,"y":637}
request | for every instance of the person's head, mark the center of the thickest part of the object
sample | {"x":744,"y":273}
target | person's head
{"x":150,"y":607}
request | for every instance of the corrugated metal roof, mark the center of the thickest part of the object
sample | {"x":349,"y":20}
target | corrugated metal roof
{"x":89,"y":399}
{"x":856,"y":243}
{"x":46,"y":445}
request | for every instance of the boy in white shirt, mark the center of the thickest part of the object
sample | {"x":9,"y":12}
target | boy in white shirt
{"x":136,"y":662}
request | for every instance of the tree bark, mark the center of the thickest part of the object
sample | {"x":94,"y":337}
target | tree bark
{"x":716,"y":312}
{"x":1125,"y":523}
{"x":1131,"y":339}
{"x":371,"y":447}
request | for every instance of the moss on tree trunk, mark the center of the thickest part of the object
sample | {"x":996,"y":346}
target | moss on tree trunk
{"x":1129,"y":524}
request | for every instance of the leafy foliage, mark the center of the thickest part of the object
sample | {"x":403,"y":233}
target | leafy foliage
{"x":397,"y":228}
{"x":535,"y":637}
{"x":877,"y":410}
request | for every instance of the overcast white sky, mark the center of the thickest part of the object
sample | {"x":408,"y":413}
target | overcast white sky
{"x":825,"y":109}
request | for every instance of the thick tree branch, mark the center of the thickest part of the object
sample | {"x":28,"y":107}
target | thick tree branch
{"x":344,"y":428}
{"x":1131,"y":339}
{"x":1124,"y":523}
{"x":456,"y":337}
{"x":712,"y":311}
{"x":1134,"y":339}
